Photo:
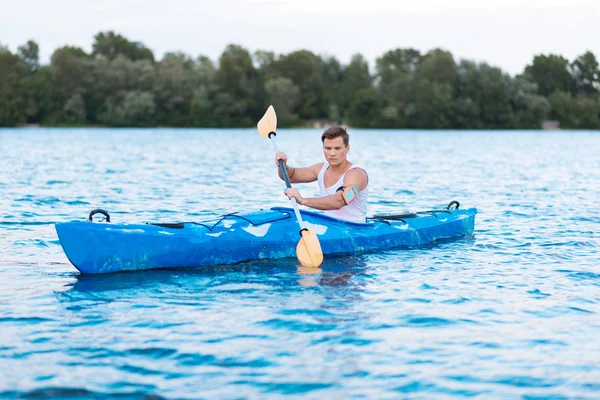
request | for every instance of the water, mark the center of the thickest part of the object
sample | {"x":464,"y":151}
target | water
{"x":511,"y":312}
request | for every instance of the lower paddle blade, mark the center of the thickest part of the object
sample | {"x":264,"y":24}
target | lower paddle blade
{"x":309,"y":249}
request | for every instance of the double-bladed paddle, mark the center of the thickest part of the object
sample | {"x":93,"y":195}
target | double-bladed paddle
{"x":308,"y":250}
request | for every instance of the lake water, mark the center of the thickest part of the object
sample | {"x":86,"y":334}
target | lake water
{"x":510,"y":312}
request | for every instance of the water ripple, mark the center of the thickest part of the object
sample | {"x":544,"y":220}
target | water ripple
{"x":509,"y":312}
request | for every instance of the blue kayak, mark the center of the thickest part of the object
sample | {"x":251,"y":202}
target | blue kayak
{"x":104,"y":247}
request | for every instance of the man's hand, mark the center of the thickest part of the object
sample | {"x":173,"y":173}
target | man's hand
{"x":280,"y":155}
{"x":292,"y":192}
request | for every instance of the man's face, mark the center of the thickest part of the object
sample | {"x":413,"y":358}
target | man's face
{"x":335,"y":151}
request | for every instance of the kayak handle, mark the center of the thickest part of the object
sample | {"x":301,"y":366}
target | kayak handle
{"x":454,"y":203}
{"x":99,"y":211}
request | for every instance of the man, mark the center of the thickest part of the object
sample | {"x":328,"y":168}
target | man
{"x":344,"y":186}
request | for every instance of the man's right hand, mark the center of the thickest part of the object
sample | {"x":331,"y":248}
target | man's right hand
{"x":280,"y":155}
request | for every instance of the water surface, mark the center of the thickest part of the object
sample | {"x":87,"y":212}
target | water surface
{"x":510,"y":312}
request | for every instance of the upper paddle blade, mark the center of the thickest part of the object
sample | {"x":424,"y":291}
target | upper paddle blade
{"x":309,"y":249}
{"x":268,"y":123}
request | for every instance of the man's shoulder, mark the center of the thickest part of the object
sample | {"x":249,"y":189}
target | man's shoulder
{"x":357,"y":170}
{"x":357,"y":174}
{"x":317,"y":167}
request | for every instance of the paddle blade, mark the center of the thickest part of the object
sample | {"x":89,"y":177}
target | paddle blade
{"x":309,"y":250}
{"x":268,"y":123}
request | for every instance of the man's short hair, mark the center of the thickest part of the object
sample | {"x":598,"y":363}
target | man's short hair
{"x":334,"y":132}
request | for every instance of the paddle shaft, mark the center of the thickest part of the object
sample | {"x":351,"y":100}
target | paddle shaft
{"x":286,"y":178}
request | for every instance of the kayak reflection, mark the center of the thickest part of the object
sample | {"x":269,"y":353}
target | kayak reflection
{"x":336,"y":271}
{"x":272,"y":273}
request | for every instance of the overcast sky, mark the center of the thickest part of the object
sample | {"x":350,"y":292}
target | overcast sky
{"x":503,"y":33}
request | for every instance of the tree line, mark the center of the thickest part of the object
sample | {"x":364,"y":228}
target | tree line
{"x":121,"y":83}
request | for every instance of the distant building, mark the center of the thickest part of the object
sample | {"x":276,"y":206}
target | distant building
{"x":551,"y":125}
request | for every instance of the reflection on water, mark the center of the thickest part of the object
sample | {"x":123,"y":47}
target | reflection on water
{"x":338,"y":271}
{"x":334,"y":271}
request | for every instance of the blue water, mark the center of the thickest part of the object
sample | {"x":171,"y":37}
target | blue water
{"x":510,"y":312}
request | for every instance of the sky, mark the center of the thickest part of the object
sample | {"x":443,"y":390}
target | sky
{"x":503,"y":33}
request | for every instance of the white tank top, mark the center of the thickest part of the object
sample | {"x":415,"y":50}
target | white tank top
{"x":356,"y":211}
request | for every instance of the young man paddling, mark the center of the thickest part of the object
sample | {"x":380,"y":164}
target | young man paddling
{"x":344,"y":186}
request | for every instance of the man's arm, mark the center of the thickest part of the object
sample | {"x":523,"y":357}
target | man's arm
{"x":335,"y":201}
{"x":298,"y":175}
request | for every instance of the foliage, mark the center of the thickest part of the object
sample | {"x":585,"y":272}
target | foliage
{"x":30,"y":54}
{"x":12,"y":91}
{"x":121,"y":83}
{"x":302,"y":68}
{"x":110,"y":45}
{"x":550,"y":73}
{"x":586,"y":74}
{"x":284,"y":93}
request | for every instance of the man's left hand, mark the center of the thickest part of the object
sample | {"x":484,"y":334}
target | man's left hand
{"x":295,"y":194}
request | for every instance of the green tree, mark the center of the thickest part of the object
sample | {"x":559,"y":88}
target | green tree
{"x":174,"y":89}
{"x":203,"y":99}
{"x":436,"y":78}
{"x":397,"y":85}
{"x":466,"y":114}
{"x":42,"y":94}
{"x":355,"y":77}
{"x":529,"y":108}
{"x":330,"y":75}
{"x":229,"y":111}
{"x":29,"y":85}
{"x":283,"y":93}
{"x":438,"y":66}
{"x":12,"y":98}
{"x":365,"y":109}
{"x":563,"y":109}
{"x":495,"y":108}
{"x":239,"y":80}
{"x":575,"y":113}
{"x":432,"y":107}
{"x":75,"y":109}
{"x":550,"y":73}
{"x":397,"y":61}
{"x":121,"y":84}
{"x":30,"y":54}
{"x":97,"y":86}
{"x":587,"y":113}
{"x":105,"y":82}
{"x":132,"y":109}
{"x":586,"y":74}
{"x":110,"y":45}
{"x":395,"y":72}
{"x":468,"y":98}
{"x":68,"y":74}
{"x":302,"y":68}
{"x":488,"y":98}
{"x":264,"y":61}
{"x":138,"y":108}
